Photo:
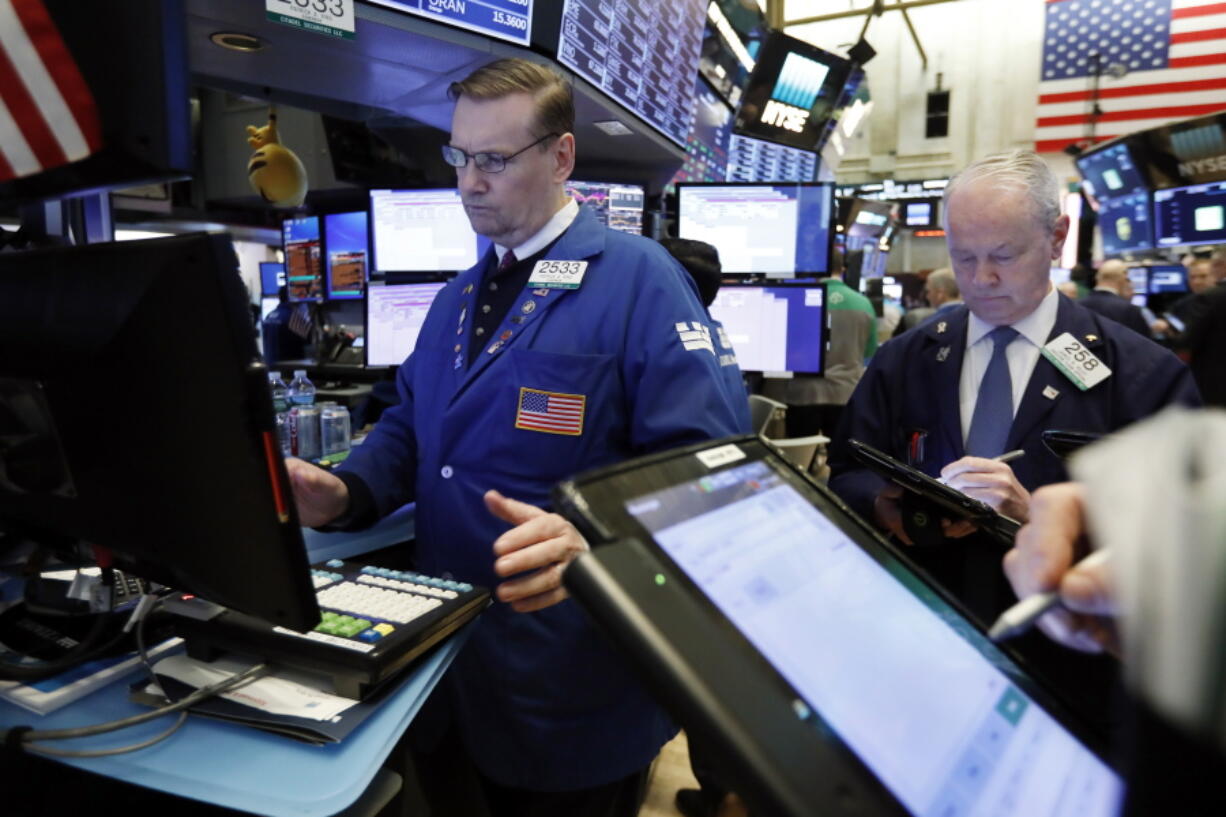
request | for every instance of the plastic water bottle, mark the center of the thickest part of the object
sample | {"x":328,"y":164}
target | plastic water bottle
{"x":301,"y":390}
{"x":280,"y":406}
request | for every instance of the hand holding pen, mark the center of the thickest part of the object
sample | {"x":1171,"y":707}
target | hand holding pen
{"x":990,"y":481}
{"x":1069,"y":599}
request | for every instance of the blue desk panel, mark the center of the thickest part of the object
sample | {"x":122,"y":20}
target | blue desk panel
{"x":238,"y":767}
{"x":396,"y":527}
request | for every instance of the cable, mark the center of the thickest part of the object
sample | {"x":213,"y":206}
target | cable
{"x":118,"y":750}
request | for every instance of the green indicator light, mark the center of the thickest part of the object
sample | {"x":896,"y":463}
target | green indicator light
{"x":660,"y":579}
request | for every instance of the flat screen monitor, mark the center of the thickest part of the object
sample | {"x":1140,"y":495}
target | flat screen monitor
{"x":643,"y":55}
{"x":509,"y":20}
{"x":1191,"y":215}
{"x":1165,"y":278}
{"x":1139,"y":278}
{"x":1126,"y":224}
{"x":921,"y":214}
{"x":272,"y":278}
{"x":143,"y":471}
{"x":345,"y":242}
{"x":757,"y":160}
{"x":793,"y":92}
{"x":304,"y":272}
{"x":775,"y":328}
{"x":1110,"y":171}
{"x":421,"y":231}
{"x":619,"y":206}
{"x":825,"y":673}
{"x":781,"y":229}
{"x":1186,"y":152}
{"x":394,"y":317}
{"x":706,"y":147}
{"x":867,"y":218}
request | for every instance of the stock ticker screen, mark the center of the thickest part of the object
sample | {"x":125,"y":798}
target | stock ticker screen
{"x":643,"y":53}
{"x":619,"y":206}
{"x":504,"y":19}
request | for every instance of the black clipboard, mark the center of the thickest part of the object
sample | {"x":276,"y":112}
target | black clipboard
{"x":957,"y":504}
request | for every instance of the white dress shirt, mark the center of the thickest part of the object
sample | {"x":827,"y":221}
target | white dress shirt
{"x":540,"y":240}
{"x":1022,"y":354}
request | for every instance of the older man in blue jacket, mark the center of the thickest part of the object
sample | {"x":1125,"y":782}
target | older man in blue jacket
{"x":568,"y":347}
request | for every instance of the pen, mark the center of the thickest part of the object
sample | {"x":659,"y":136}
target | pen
{"x":1008,"y":456}
{"x":1021,"y":617}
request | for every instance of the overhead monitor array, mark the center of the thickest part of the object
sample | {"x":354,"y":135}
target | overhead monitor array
{"x":505,"y":19}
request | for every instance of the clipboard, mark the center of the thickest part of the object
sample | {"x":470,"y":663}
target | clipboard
{"x":960,"y":506}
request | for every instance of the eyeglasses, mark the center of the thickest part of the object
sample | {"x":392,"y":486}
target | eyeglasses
{"x":485,"y":162}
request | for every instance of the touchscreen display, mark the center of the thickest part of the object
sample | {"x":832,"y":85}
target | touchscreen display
{"x":942,"y":727}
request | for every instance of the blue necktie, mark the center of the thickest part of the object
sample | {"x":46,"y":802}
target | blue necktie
{"x":994,"y":407}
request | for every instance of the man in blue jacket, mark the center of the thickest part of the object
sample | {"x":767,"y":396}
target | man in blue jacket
{"x":568,"y":347}
{"x":975,"y":382}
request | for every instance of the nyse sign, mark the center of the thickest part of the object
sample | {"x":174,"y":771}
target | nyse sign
{"x":784,"y":116}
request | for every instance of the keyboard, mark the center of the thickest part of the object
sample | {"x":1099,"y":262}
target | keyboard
{"x":375,"y":623}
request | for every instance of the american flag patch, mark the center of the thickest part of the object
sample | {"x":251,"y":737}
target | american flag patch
{"x":550,"y":412}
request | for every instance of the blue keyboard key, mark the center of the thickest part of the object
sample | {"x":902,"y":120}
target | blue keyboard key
{"x":370,"y":636}
{"x":335,"y":563}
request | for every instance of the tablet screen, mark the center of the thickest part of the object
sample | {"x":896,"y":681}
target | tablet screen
{"x":931,"y":715}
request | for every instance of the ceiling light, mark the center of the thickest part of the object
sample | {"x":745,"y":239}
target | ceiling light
{"x":613,"y":127}
{"x":237,"y":41}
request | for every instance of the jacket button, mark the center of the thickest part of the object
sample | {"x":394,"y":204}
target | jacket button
{"x":446,"y":472}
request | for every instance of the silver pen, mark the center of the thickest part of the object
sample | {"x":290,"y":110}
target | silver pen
{"x":1022,"y":616}
{"x":1008,"y":456}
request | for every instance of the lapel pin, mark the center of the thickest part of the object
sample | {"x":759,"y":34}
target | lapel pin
{"x":941,"y":327}
{"x":467,"y":289}
{"x":942,"y":354}
{"x":1051,"y":393}
{"x":1091,"y":338}
{"x":528,"y":307}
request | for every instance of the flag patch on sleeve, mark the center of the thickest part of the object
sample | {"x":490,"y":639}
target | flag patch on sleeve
{"x":550,"y":412}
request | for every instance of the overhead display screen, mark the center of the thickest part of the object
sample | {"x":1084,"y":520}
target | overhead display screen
{"x":619,"y":206}
{"x":756,"y":160}
{"x":735,"y":31}
{"x":1125,"y":224}
{"x":1111,"y":172}
{"x":643,"y":53}
{"x":505,"y":19}
{"x":345,"y":243}
{"x":1191,"y":215}
{"x":780,"y":229}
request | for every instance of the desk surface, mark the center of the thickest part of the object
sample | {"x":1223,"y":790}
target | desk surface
{"x":241,"y":768}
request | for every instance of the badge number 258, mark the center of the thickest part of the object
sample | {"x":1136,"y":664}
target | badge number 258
{"x":1077,"y":362}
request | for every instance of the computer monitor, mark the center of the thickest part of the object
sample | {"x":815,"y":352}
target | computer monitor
{"x":1110,"y":171}
{"x":416,"y":231}
{"x":346,"y":245}
{"x":1164,"y":278}
{"x":139,"y":420}
{"x":272,"y":278}
{"x":776,"y":328}
{"x":866,"y":218}
{"x":1139,"y":278}
{"x":394,"y":317}
{"x":780,"y":230}
{"x":923,"y":214}
{"x":304,"y":272}
{"x":1125,"y":223}
{"x":1190,"y":215}
{"x":618,"y":206}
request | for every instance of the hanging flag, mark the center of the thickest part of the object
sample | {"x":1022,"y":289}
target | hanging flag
{"x":300,"y":322}
{"x":47,"y":114}
{"x":1174,"y":53}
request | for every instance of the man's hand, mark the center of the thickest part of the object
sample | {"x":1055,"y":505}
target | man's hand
{"x":320,"y":496}
{"x":990,"y":482}
{"x":889,"y":516}
{"x":1046,"y":549}
{"x":540,"y":545}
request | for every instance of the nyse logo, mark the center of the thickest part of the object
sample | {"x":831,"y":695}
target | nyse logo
{"x":1195,"y":167}
{"x":785,"y":116}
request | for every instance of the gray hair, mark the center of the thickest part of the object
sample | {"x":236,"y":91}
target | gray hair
{"x":1020,"y":170}
{"x":943,"y":280}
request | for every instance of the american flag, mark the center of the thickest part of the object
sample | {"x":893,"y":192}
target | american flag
{"x":1174,"y":52}
{"x":550,"y":412}
{"x":47,"y":114}
{"x":300,"y":322}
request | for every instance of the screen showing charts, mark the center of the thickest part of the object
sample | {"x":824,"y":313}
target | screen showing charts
{"x":642,"y":53}
{"x":504,"y":19}
{"x":1191,"y":215}
{"x":304,"y":274}
{"x":929,"y":712}
{"x":1168,"y":278}
{"x":619,"y":206}
{"x":756,"y":160}
{"x":394,"y":317}
{"x":1111,"y":172}
{"x":1125,"y":223}
{"x":781,"y":229}
{"x":774,"y":329}
{"x":272,"y":278}
{"x":421,"y":231}
{"x":345,"y":243}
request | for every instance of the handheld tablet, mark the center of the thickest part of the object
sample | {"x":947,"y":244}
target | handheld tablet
{"x":823,"y":675}
{"x":1065,"y":443}
{"x":949,"y":499}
